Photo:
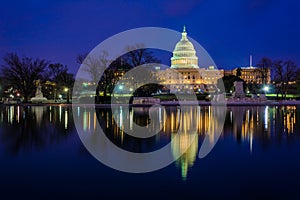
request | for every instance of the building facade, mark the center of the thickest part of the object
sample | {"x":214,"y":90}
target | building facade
{"x":251,"y":75}
{"x":185,"y":74}
{"x":254,"y":75}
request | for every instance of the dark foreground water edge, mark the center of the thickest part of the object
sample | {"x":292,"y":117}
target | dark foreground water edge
{"x":256,"y":156}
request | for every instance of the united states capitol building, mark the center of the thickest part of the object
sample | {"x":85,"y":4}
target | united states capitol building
{"x":188,"y":74}
{"x":192,"y":77}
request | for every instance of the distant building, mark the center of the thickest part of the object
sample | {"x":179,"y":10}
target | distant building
{"x":253,"y":75}
{"x":228,"y":72}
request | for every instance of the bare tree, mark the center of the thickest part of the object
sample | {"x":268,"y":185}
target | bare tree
{"x":94,"y":65}
{"x":289,"y":76}
{"x":264,"y":66}
{"x":138,"y":55}
{"x":22,"y":72}
{"x":284,"y":74}
{"x":278,"y":79}
{"x":135,"y":56}
{"x":55,"y":70}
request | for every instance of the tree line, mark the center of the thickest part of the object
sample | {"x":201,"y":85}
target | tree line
{"x":136,"y":55}
{"x":285,"y":75}
{"x":19,"y":74}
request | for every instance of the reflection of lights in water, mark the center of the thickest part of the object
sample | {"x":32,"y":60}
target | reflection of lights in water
{"x":172,"y":122}
{"x":230,"y":116}
{"x":95,"y":121}
{"x":107,"y":120}
{"x":121,"y":124}
{"x":165,"y":118}
{"x":198,"y":119}
{"x":159,"y":115}
{"x":86,"y":120}
{"x":178,"y":118}
{"x":38,"y":110}
{"x":59,"y":113}
{"x":266,"y":117}
{"x":251,"y":142}
{"x":185,"y":140}
{"x":78,"y":111}
{"x":131,"y":119}
{"x":198,"y":113}
{"x":290,"y":119}
{"x":180,"y":145}
{"x":1,"y":117}
{"x":50,"y":114}
{"x":89,"y":121}
{"x":248,"y":115}
{"x":10,"y":116}
{"x":66,"y":119}
{"x":18,"y":114}
{"x":121,"y":118}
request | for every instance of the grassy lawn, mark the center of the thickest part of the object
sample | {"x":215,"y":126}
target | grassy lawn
{"x":288,"y":96}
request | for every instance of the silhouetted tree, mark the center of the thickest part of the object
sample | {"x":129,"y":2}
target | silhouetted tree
{"x":285,"y":72}
{"x":278,"y":79}
{"x":138,"y":55}
{"x":290,"y":75}
{"x":63,"y":80}
{"x":239,"y":72}
{"x":22,"y":72}
{"x":264,"y":65}
{"x":94,"y":66}
{"x":298,"y":81}
{"x":135,"y":56}
{"x":228,"y":82}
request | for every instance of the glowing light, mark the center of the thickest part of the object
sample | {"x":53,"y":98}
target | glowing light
{"x":266,"y":88}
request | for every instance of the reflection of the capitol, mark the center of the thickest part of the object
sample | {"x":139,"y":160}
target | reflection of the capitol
{"x":179,"y":124}
{"x":246,"y":124}
{"x":251,"y":125}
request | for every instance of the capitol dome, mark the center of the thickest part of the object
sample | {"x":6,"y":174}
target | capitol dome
{"x":184,"y":54}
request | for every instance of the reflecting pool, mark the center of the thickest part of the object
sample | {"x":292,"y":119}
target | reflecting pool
{"x":256,"y":155}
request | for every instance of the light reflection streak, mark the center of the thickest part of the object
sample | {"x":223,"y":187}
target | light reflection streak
{"x":66,"y":119}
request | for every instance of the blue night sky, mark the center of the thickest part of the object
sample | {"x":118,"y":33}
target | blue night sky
{"x":229,"y":30}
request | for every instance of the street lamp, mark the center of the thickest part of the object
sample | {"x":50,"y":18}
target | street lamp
{"x":266,"y":88}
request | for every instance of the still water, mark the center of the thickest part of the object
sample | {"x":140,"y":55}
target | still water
{"x":257,"y":154}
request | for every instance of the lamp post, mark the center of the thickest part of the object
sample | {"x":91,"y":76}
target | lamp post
{"x":266,"y":89}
